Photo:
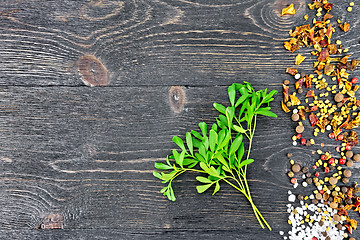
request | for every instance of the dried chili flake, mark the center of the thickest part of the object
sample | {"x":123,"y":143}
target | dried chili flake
{"x":292,"y":71}
{"x":324,"y":54}
{"x":329,"y":69}
{"x":345,"y":27}
{"x":290,"y":10}
{"x":332,"y":48}
{"x":284,"y":107}
{"x":294,"y":100}
{"x":302,"y":114}
{"x":313,"y":119}
{"x":349,"y":228}
{"x":299,"y":83}
{"x":327,"y":16}
{"x":299,"y":59}
{"x":354,"y":64}
{"x":308,"y":81}
{"x":328,"y":6}
{"x":310,"y":93}
{"x":286,"y":93}
{"x":345,"y":59}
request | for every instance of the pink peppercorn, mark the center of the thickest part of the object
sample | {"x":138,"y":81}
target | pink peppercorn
{"x":340,"y":137}
{"x":331,"y":161}
{"x":303,"y":141}
{"x":323,"y":157}
{"x":298,"y":136}
{"x":342,"y":161}
{"x":348,"y":147}
{"x":354,"y":80}
{"x":317,"y":174}
{"x":331,"y":135}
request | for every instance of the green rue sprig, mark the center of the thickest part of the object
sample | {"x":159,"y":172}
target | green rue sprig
{"x":219,"y":154}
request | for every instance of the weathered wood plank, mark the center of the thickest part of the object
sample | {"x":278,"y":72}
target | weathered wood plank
{"x":150,"y":42}
{"x":88,"y":153}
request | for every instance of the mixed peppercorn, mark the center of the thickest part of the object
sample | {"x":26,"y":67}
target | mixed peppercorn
{"x":331,"y":108}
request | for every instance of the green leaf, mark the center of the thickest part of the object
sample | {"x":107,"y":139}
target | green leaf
{"x":203,"y":179}
{"x":209,"y":170}
{"x":163,"y":190}
{"x":179,"y":142}
{"x":225,"y":141}
{"x":235,"y":144}
{"x":241,"y":99}
{"x":196,"y":134}
{"x":219,"y":107}
{"x":196,"y":143}
{"x":203,"y":188}
{"x":268,"y":97}
{"x":170,"y":194}
{"x":202,"y":151}
{"x":213,"y":137}
{"x":188,"y":161}
{"x":163,"y":166}
{"x":245,"y":162}
{"x":266,"y":113}
{"x":200,"y":157}
{"x":156,"y":174}
{"x":222,"y":160}
{"x":167,"y":176}
{"x":230,"y":112}
{"x":231,"y":93}
{"x":203,"y":128}
{"x":217,"y":188}
{"x":241,"y":151}
{"x":239,"y":129}
{"x":223,"y":120}
{"x":181,"y":159}
{"x":215,"y":127}
{"x":176,"y":155}
{"x":243,"y":90}
{"x":189,"y":143}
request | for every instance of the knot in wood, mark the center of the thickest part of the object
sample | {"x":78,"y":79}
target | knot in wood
{"x":177,"y":98}
{"x":92,"y":71}
{"x":52,"y":221}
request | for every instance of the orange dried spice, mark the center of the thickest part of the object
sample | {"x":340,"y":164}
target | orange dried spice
{"x":299,"y":58}
{"x":290,"y":10}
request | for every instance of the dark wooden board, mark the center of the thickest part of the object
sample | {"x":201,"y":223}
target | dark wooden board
{"x":86,"y":155}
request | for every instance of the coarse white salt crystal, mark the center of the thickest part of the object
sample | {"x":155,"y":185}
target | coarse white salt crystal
{"x":295,"y":110}
{"x":304,"y":184}
{"x":294,"y":143}
{"x":289,"y":192}
{"x":297,"y":76}
{"x":296,"y":185}
{"x":328,"y":127}
{"x":281,"y":233}
{"x":291,"y":198}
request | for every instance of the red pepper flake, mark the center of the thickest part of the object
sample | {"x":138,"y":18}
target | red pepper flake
{"x":321,"y":191}
{"x":317,"y":174}
{"x":286,"y":93}
{"x":345,"y":27}
{"x":328,"y":6}
{"x":313,"y":119}
{"x":313,"y":108}
{"x":310,"y":93}
{"x":349,"y":228}
{"x":293,"y":180}
{"x":314,"y":167}
{"x":324,"y":54}
{"x":291,"y":71}
{"x":298,"y":136}
{"x":331,"y":161}
{"x":299,"y":83}
{"x":327,"y":170}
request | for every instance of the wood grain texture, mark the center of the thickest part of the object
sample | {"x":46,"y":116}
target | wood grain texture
{"x":81,"y":158}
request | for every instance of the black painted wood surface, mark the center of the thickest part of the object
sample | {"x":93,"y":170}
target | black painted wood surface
{"x":81,"y":158}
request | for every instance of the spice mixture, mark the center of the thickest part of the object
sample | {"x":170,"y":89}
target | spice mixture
{"x":326,"y":98}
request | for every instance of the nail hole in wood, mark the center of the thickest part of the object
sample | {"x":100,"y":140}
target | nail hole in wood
{"x":53,"y":221}
{"x":92,"y":71}
{"x":177,"y":98}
